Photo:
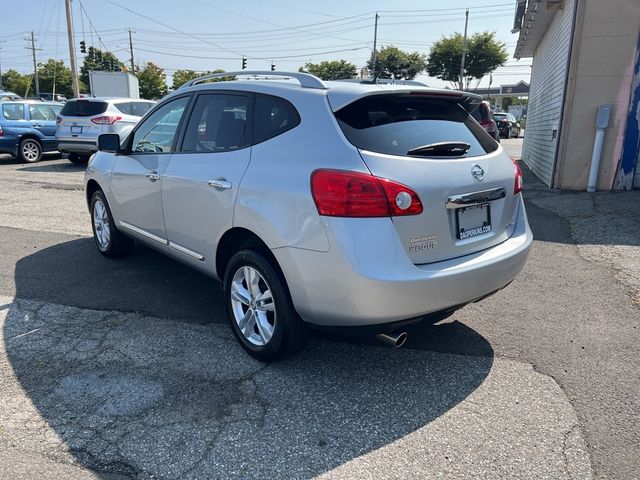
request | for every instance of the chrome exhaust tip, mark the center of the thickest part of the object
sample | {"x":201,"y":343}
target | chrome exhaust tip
{"x":394,"y":340}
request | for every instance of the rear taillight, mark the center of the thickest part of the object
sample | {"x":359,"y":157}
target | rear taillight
{"x":517,"y":186}
{"x":1,"y":132}
{"x":106,"y":120}
{"x":339,"y":193}
{"x":58,"y":120}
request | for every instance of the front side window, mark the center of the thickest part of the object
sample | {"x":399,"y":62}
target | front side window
{"x":41,"y":112}
{"x":13,"y":111}
{"x":156,"y":133}
{"x":217,"y":124}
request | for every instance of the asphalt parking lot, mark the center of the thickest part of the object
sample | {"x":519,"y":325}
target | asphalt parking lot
{"x":126,"y":369}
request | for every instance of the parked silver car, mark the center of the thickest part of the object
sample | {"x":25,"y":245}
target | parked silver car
{"x":83,"y":119}
{"x":329,"y":204}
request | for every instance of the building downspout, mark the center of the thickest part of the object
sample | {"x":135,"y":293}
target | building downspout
{"x":569,"y":84}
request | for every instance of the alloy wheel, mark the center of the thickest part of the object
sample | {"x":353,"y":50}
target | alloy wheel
{"x":30,"y":151}
{"x":101,"y":226}
{"x":254,"y":310}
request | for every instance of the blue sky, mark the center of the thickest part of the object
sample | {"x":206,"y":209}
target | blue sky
{"x":209,"y":34}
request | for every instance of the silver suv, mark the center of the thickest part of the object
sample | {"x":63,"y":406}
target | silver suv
{"x":82,"y":120}
{"x":316,"y":204}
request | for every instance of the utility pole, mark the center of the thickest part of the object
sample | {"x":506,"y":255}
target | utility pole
{"x":35,"y":63}
{"x":133,"y":65}
{"x":464,"y":49}
{"x":1,"y":41}
{"x":375,"y":41}
{"x":72,"y":51}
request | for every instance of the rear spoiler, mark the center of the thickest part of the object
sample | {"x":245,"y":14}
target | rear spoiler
{"x":468,"y":101}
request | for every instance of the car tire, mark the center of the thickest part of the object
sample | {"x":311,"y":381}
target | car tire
{"x":262,"y":315}
{"x":29,"y":150}
{"x":78,"y":159}
{"x":109,"y":240}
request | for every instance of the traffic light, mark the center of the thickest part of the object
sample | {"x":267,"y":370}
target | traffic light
{"x":273,"y":66}
{"x":83,"y":47}
{"x":244,"y":63}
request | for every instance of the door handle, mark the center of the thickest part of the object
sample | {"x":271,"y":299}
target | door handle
{"x":37,"y":124}
{"x":153,"y":176}
{"x":221,"y":184}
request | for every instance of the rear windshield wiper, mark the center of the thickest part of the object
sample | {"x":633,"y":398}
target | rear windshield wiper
{"x":450,"y":149}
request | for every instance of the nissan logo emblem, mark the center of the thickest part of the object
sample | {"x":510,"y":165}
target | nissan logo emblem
{"x":478,"y":172}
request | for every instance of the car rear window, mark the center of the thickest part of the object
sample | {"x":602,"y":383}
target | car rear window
{"x":83,"y":108}
{"x":480,"y":114}
{"x":395,"y":124}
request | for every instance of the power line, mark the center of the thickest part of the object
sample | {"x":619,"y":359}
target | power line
{"x":173,"y":28}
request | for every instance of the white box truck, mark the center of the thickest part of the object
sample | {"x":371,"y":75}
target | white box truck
{"x":114,"y":84}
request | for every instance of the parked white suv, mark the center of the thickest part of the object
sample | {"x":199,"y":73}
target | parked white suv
{"x":329,"y":204}
{"x":82,"y":120}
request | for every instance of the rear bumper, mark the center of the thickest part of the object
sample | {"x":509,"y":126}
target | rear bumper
{"x":357,"y":285}
{"x":77,"y":146}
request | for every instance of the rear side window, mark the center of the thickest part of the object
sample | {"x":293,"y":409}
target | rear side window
{"x":41,"y":112}
{"x":272,"y":117}
{"x":395,"y":124}
{"x":140,"y":109}
{"x":13,"y":111}
{"x":123,"y":107}
{"x":83,"y":108}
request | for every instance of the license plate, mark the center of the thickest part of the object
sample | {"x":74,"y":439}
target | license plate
{"x":76,"y":129}
{"x":473,"y":221}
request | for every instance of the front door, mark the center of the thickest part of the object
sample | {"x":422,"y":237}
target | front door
{"x":136,"y":182}
{"x":200,"y":184}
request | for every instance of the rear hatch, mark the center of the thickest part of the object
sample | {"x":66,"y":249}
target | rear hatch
{"x":430,"y":143}
{"x":77,"y":120}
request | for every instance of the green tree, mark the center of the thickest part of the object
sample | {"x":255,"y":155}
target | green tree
{"x":97,"y":60}
{"x":153,"y":81}
{"x":55,"y":71}
{"x":182,"y":76}
{"x":484,"y":55}
{"x":391,"y":62}
{"x":332,"y":70}
{"x":15,"y":82}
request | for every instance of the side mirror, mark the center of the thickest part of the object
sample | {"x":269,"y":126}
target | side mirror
{"x":109,"y":142}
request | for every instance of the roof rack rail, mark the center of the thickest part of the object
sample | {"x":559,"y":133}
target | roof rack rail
{"x":306,"y":80}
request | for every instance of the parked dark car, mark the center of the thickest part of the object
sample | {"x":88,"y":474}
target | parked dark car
{"x":50,"y":97}
{"x":28,"y":128}
{"x":484,"y":117}
{"x":507,"y":125}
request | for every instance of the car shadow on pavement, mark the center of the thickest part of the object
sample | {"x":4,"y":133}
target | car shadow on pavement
{"x":169,"y":393}
{"x":54,"y":168}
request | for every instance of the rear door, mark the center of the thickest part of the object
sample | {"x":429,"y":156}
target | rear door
{"x":201,"y":182}
{"x":42,"y":118}
{"x":385,"y":128}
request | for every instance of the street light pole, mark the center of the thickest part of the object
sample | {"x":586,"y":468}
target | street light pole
{"x":464,"y":49}
{"x":72,"y":51}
